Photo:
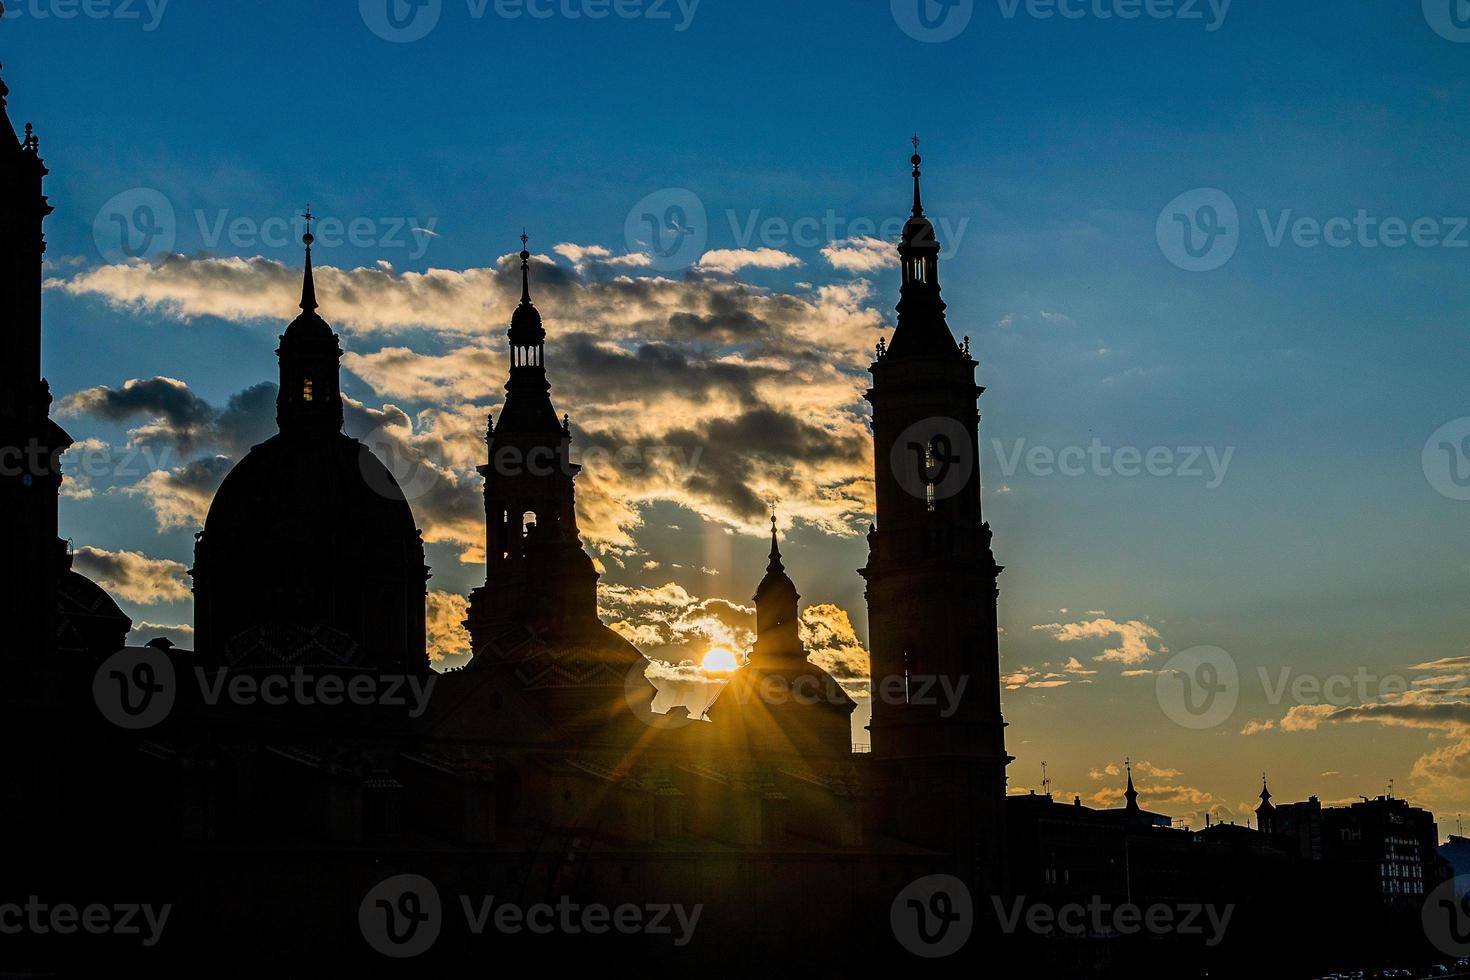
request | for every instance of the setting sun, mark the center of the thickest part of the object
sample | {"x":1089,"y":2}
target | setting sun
{"x":720,"y":660}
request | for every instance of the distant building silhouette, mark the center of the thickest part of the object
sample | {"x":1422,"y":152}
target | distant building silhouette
{"x":1456,"y":852}
{"x":1266,"y":813}
{"x":1388,"y":848}
{"x":1357,"y":874}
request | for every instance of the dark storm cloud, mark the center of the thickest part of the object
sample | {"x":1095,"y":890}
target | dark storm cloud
{"x":178,"y":416}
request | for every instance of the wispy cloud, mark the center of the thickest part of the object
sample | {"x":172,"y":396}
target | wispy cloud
{"x":1137,"y":641}
{"x":862,"y":256}
{"x":730,"y":260}
{"x":729,"y":396}
{"x":133,"y":576}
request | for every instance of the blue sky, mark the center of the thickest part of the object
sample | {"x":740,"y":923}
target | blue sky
{"x":1052,"y":146}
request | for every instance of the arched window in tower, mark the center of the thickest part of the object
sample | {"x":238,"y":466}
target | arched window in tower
{"x":308,"y":390}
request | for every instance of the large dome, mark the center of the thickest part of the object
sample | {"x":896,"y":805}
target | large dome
{"x":310,"y":535}
{"x":329,"y":481}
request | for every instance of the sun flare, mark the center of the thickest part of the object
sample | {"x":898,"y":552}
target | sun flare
{"x":720,"y":660}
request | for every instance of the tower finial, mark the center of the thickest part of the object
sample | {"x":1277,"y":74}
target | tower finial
{"x":916,"y":160}
{"x":525,"y":268}
{"x":775,"y":565}
{"x":308,"y":282}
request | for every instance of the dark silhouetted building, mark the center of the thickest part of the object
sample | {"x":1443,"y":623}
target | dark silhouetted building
{"x":310,"y":553}
{"x":44,"y":603}
{"x":1386,"y":848}
{"x":931,"y":585}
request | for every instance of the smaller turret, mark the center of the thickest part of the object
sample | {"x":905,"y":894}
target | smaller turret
{"x":310,"y":398}
{"x":1266,"y":812}
{"x":778,"y":640}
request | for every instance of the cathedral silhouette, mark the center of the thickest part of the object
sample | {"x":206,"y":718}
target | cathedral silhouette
{"x":304,"y":794}
{"x":538,"y":769}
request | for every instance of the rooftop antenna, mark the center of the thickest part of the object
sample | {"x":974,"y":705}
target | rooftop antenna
{"x":1045,"y":781}
{"x":1390,"y":789}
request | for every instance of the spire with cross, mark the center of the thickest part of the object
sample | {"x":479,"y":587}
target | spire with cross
{"x":916,"y":160}
{"x":308,"y":280}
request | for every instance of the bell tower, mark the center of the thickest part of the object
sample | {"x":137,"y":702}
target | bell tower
{"x":937,"y":732}
{"x":536,"y":573}
{"x":31,"y":443}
